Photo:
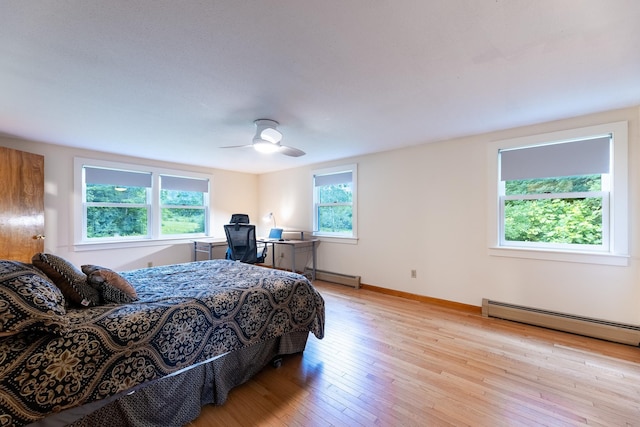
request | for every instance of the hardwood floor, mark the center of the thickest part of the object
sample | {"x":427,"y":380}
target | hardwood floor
{"x":391,"y":361}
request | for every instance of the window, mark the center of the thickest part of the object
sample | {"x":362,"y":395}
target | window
{"x":182,"y":205}
{"x":126,"y":203}
{"x":335,"y":201}
{"x":556,"y":195}
{"x":564,"y":191}
{"x":116,"y":203}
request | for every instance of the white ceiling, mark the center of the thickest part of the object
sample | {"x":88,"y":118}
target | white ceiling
{"x":176,"y":80}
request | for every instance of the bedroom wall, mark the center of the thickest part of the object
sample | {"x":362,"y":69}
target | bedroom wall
{"x":425,"y":208}
{"x":231,"y":192}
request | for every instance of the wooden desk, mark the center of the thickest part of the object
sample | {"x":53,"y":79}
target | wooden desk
{"x":293,"y":244}
{"x":206,"y":246}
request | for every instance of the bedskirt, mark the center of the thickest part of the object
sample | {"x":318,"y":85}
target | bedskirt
{"x":177,"y":400}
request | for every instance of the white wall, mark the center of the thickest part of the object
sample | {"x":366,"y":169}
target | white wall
{"x":231,"y":192}
{"x":422,"y":208}
{"x":425,"y":208}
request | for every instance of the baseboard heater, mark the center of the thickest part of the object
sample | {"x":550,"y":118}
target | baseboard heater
{"x":596,"y":328}
{"x":342,"y":279}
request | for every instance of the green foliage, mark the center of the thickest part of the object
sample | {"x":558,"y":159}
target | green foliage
{"x":131,"y":221}
{"x":181,"y":198}
{"x":557,"y":219}
{"x":582,"y":183}
{"x":335,"y":215}
{"x":336,"y":193}
{"x":183,"y":221}
{"x":115,"y":221}
{"x":335,"y":219}
{"x":101,"y":193}
{"x":572,"y":221}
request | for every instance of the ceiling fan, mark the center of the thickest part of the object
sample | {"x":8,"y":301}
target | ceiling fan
{"x":267,"y":140}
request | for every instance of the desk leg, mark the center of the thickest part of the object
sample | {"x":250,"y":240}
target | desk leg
{"x":273,"y":255}
{"x":313,"y":265}
{"x":293,"y":258}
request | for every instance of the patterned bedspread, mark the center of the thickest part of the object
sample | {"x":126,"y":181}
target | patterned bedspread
{"x":186,"y":314}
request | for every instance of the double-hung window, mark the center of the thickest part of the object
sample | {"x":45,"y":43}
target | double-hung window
{"x":183,"y":205}
{"x":116,"y":203}
{"x":564,"y":191}
{"x":335,"y":201}
{"x":119,"y":202}
{"x":557,"y":195}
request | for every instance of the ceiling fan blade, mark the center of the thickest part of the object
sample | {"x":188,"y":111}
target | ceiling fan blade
{"x":238,"y":146}
{"x":290,"y":151}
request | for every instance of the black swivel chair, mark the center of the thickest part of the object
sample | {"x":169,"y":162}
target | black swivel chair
{"x":241,"y":238}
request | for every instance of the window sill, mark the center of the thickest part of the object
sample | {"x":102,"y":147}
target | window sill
{"x":336,"y":239}
{"x":562,"y":256}
{"x":97,"y":246}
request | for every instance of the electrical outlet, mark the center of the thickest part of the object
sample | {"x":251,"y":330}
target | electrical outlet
{"x":413,"y":274}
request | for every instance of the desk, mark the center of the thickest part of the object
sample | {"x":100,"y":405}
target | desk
{"x":293,"y":244}
{"x":206,"y":246}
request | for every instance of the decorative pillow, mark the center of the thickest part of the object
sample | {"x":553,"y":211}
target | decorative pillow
{"x":71,"y":281}
{"x":113,"y":287}
{"x":29,"y":301}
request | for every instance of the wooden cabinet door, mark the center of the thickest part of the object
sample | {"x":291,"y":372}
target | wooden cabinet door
{"x":21,"y":204}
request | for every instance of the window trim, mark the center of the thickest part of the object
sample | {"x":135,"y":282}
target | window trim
{"x":618,"y":252}
{"x":353,"y":168}
{"x":155,"y":236}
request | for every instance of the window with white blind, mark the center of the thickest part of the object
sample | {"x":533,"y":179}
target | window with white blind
{"x":564,"y":191}
{"x":183,"y":205}
{"x":120,"y":202}
{"x":335,"y":201}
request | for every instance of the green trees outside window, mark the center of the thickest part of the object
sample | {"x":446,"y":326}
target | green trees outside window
{"x":566,"y":210}
{"x":335,"y":210}
{"x":183,"y":212}
{"x":116,"y":211}
{"x":113,"y":211}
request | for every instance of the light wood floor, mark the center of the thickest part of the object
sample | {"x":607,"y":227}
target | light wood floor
{"x":390,"y":361}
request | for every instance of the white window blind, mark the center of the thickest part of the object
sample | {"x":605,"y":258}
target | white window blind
{"x":583,"y":157}
{"x":168,"y":182}
{"x":333,"y":179}
{"x":124,"y":178}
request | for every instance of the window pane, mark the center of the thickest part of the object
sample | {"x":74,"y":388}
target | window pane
{"x":335,"y":219}
{"x":182,"y":221}
{"x":582,"y":183}
{"x":101,"y":193}
{"x":337,"y":193}
{"x":114,"y":222}
{"x":570,"y":221}
{"x":181,"y":198}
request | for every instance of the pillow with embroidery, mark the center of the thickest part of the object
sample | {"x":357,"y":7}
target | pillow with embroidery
{"x":112,"y":286}
{"x":29,"y":301}
{"x":71,"y":281}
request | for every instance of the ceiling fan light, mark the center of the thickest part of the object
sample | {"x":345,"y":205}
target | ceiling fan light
{"x":265,"y":146}
{"x":271,"y":135}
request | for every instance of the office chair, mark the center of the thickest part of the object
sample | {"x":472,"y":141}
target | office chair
{"x":241,"y":239}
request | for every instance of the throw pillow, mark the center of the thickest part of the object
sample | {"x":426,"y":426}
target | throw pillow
{"x":113,"y":287}
{"x":29,"y":301}
{"x":71,"y":281}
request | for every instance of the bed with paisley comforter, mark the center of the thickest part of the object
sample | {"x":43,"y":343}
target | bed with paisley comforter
{"x":189,"y":333}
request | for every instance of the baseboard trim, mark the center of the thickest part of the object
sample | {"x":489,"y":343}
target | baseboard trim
{"x":430,"y":300}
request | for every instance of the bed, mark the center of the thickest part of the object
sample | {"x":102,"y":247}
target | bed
{"x":191,"y":332}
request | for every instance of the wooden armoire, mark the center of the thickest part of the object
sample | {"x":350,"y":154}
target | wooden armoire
{"x":21,"y":204}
